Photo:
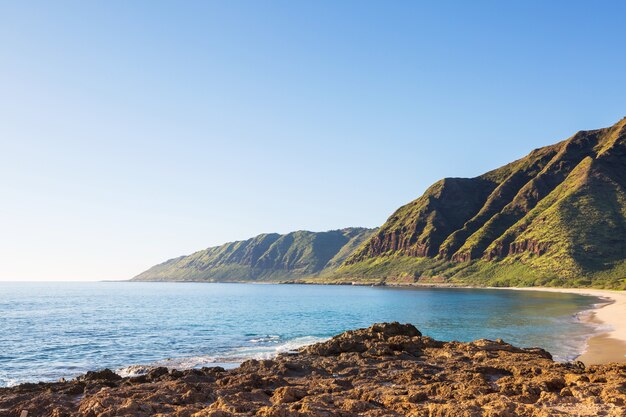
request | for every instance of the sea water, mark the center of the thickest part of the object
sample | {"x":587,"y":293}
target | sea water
{"x":59,"y":330}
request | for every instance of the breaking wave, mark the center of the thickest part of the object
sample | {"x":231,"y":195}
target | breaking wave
{"x":230,"y":359}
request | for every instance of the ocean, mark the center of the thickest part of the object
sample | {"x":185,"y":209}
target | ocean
{"x":60,"y":330}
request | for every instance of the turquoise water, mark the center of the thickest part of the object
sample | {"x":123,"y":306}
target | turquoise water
{"x":54,"y":330}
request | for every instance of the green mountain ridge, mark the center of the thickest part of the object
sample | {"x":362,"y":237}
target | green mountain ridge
{"x":265,"y":257}
{"x":556,"y":217}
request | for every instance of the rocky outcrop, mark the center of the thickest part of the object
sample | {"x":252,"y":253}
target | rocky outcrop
{"x":384,"y":370}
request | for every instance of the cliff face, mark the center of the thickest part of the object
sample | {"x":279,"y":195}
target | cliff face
{"x":388,"y":369}
{"x":559,"y":212}
{"x":421,"y":227}
{"x":267,"y":256}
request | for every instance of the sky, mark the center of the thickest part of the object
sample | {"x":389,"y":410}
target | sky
{"x":134,"y":132}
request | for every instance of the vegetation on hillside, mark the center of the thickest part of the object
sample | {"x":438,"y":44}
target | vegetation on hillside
{"x":555,"y":217}
{"x":264,"y":257}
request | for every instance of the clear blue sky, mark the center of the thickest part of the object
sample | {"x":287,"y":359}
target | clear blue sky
{"x":133,"y":132}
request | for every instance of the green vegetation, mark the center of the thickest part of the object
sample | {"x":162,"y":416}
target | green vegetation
{"x":556,"y":217}
{"x":265,"y":257}
{"x":406,"y":270}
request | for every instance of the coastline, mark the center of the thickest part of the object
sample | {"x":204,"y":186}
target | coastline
{"x":608,"y":346}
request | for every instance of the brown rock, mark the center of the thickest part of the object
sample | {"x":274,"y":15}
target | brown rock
{"x":287,"y":395}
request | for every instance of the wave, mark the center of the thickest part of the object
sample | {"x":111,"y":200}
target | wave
{"x":268,"y":352}
{"x":134,"y":370}
{"x":586,"y":317}
{"x":228,"y":360}
{"x":9,"y":382}
{"x":266,"y":339}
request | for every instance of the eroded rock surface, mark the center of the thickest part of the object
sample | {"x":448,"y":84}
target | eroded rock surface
{"x":384,"y":370}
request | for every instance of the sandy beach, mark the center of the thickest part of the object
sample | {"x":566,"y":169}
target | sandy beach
{"x":611,"y":345}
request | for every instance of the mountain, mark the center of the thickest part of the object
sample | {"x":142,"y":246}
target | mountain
{"x":554,"y":217}
{"x":264,"y":257}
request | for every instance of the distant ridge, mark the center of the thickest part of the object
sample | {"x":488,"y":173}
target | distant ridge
{"x":265,"y":257}
{"x":555,"y":217}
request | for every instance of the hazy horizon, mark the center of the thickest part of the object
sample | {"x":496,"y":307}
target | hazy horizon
{"x":135,"y":133}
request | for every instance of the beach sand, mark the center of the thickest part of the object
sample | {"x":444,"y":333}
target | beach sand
{"x":606,"y":347}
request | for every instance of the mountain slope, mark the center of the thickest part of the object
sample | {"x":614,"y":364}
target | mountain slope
{"x":264,"y":257}
{"x":556,"y":217}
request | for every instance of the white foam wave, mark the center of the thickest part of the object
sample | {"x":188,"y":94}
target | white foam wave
{"x":586,"y":317}
{"x":266,"y":339}
{"x":229,"y":359}
{"x":9,"y":382}
{"x":267,"y":352}
{"x":134,"y":370}
{"x":298,"y":343}
{"x":171,"y":363}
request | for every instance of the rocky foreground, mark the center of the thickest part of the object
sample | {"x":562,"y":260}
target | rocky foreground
{"x":384,"y":370}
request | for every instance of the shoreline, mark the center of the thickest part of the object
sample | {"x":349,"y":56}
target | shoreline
{"x":607,"y":346}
